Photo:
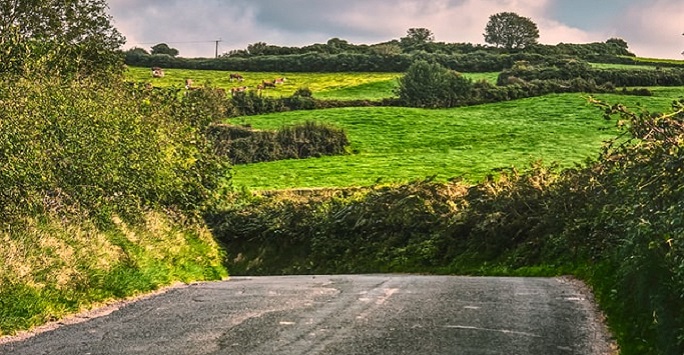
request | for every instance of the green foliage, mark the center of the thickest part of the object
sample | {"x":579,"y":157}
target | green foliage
{"x":163,"y":48}
{"x":65,"y":38}
{"x":619,"y":42}
{"x":572,"y":69}
{"x":415,"y":37}
{"x":243,"y":145}
{"x":52,"y":266}
{"x":372,"y":61}
{"x":510,"y":31}
{"x":117,"y":147}
{"x":636,"y":214}
{"x":432,"y":85}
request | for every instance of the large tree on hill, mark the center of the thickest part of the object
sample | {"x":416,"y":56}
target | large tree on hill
{"x":510,"y":31}
{"x":65,"y":37}
{"x":163,"y":48}
{"x":415,"y":36}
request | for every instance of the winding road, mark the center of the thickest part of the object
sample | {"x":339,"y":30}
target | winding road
{"x":342,"y":314}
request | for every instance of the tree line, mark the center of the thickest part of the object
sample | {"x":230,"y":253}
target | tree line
{"x":507,"y":34}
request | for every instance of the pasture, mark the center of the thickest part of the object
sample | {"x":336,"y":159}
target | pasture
{"x":623,"y":66}
{"x":659,"y":60}
{"x":393,"y":144}
{"x":329,"y":86}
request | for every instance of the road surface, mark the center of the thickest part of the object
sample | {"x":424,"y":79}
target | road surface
{"x":348,"y":314}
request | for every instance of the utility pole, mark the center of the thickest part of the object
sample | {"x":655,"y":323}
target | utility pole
{"x":216,"y":51}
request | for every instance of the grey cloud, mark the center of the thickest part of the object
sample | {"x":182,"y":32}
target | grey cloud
{"x":301,"y":22}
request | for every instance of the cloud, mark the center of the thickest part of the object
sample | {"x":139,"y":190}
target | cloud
{"x":192,"y":26}
{"x":654,"y":29}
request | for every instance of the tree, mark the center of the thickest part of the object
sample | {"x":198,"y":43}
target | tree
{"x":510,"y":31}
{"x":339,"y":45}
{"x":415,"y":36}
{"x":63,"y":37}
{"x":618,"y":42}
{"x":386,"y":49}
{"x":257,"y":48}
{"x":163,"y":48}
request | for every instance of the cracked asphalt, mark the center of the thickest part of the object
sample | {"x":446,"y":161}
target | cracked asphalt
{"x":342,"y":314}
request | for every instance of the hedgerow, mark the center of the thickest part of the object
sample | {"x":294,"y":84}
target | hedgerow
{"x":243,"y":145}
{"x":102,"y":147}
{"x":572,"y":69}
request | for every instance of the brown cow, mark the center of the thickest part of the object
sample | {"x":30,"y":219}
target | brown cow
{"x":236,"y":76}
{"x":268,"y":84}
{"x":157,"y":72}
{"x":238,"y":89}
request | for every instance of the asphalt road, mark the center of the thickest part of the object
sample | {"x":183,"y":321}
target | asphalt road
{"x":350,"y":314}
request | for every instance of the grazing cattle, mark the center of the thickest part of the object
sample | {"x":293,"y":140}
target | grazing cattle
{"x":238,"y":89}
{"x":268,"y":84}
{"x":157,"y":72}
{"x":236,"y":76}
{"x":189,"y":87}
{"x":280,"y":80}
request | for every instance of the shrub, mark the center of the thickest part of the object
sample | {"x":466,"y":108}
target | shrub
{"x":116,"y":147}
{"x":243,"y":145}
{"x":432,"y":86}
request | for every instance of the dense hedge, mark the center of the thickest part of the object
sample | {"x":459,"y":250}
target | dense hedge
{"x":480,"y":61}
{"x":244,"y":145}
{"x":433,"y":86}
{"x":617,"y":77}
{"x":339,"y":56}
{"x":114,"y":147}
{"x":251,"y":103}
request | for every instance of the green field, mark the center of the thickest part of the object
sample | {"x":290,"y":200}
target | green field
{"x":658,"y":60}
{"x":623,"y":66}
{"x":329,"y":86}
{"x":392,"y":144}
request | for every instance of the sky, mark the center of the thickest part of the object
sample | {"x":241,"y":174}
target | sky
{"x":652,"y":28}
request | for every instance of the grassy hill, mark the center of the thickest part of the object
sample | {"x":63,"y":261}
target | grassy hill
{"x":395,"y":144}
{"x":337,"y":86}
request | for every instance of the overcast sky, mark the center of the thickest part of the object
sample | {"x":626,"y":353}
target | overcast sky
{"x":652,"y":28}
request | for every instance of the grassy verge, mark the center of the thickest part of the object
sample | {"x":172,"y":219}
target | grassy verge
{"x":51,"y":267}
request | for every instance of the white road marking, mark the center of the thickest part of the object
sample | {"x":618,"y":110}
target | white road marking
{"x":505,"y":331}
